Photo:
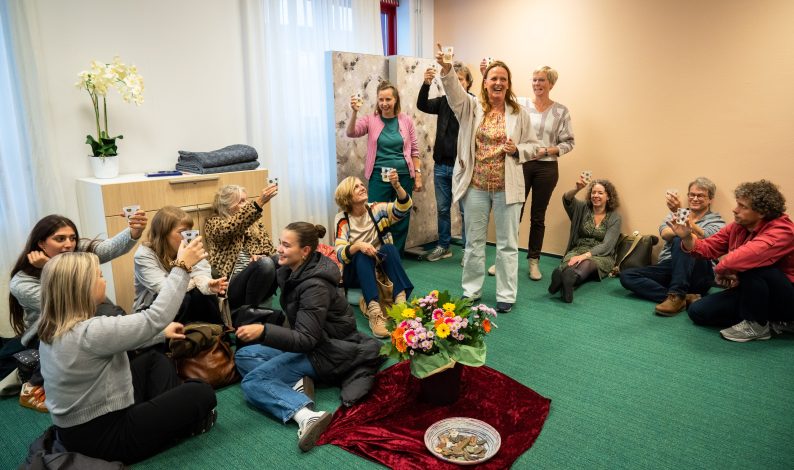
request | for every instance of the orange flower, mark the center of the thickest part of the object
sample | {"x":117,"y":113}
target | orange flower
{"x":449,"y":313}
{"x":400,"y":344}
{"x":397,"y":333}
{"x":486,"y":325}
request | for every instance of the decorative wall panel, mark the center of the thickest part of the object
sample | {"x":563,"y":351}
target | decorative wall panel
{"x":352,"y":73}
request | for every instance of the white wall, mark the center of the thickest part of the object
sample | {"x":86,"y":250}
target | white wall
{"x":189,"y":54}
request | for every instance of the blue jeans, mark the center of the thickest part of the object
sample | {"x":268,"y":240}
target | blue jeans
{"x":680,"y":274}
{"x":360,"y":272}
{"x":442,"y":175}
{"x":478,"y":211}
{"x":268,"y":377}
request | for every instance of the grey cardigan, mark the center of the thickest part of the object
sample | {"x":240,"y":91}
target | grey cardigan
{"x":578,"y":211}
{"x":86,"y":369}
{"x":27,"y":289}
{"x":150,"y":277}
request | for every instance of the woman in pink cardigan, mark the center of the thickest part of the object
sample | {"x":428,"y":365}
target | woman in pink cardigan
{"x":391,"y":143}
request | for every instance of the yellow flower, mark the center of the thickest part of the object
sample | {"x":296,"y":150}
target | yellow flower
{"x":442,"y":330}
{"x":450,"y":307}
{"x":434,"y":293}
{"x":409,"y":313}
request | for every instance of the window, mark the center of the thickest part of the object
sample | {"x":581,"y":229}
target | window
{"x":388,"y":25}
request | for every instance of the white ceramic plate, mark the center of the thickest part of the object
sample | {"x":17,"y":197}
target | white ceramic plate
{"x":469,"y":426}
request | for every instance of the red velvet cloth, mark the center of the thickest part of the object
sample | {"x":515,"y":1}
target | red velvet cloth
{"x":389,"y":426}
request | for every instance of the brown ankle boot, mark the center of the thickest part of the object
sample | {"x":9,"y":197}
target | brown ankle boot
{"x":674,"y":304}
{"x":691,"y":299}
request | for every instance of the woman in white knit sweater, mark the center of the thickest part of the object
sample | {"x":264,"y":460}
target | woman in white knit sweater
{"x":153,"y":263}
{"x":103,"y":405}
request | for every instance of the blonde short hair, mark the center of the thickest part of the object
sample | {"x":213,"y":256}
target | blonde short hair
{"x":551,"y":74}
{"x":344,"y":193}
{"x":67,"y":282}
{"x":225,"y":198}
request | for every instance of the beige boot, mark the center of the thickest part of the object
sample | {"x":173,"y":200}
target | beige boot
{"x":534,"y":269}
{"x":399,"y":298}
{"x":377,"y":320}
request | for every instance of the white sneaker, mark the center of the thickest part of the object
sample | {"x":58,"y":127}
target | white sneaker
{"x":439,"y":253}
{"x":746,"y":331}
{"x":310,"y":429}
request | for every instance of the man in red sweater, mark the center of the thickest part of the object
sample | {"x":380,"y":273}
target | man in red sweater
{"x":756,"y":266}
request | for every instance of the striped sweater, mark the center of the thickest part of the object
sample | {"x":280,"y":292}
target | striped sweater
{"x":384,"y":214}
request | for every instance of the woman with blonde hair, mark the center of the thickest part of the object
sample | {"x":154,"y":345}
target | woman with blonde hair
{"x":154,"y":260}
{"x":363,"y":239}
{"x":103,"y":405}
{"x":239,"y":246}
{"x":391,"y":143}
{"x":495,"y":139}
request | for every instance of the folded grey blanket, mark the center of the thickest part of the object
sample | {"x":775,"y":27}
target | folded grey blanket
{"x":226,"y":156}
{"x":193,"y":168}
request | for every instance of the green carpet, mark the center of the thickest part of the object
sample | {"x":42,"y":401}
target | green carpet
{"x":629,"y":389}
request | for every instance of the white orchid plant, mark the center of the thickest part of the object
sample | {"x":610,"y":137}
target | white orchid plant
{"x":97,"y":81}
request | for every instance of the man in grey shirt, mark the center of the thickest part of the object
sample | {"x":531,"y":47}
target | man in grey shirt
{"x":678,"y":279}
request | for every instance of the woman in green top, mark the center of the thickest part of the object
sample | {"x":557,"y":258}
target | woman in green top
{"x":391,"y":143}
{"x":595,"y":229}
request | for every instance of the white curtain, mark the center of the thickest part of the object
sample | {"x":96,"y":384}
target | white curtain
{"x":29,"y":182}
{"x":289,"y":96}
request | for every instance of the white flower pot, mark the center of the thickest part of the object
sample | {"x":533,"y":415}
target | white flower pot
{"x":107,"y":167}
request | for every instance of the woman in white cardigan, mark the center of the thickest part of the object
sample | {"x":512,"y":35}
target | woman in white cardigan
{"x":153,"y":262}
{"x":495,"y":138}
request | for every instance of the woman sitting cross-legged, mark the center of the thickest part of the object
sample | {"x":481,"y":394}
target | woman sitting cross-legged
{"x":155,"y":258}
{"x":363,"y":239}
{"x":322,"y":342}
{"x":239,"y":246}
{"x":595,"y":229}
{"x":103,"y":405}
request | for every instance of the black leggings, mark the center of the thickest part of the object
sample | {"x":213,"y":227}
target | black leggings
{"x":164,"y":412}
{"x":584,"y":270}
{"x":254,"y":284}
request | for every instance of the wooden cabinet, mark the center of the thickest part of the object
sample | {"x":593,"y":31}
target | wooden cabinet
{"x":101,"y":201}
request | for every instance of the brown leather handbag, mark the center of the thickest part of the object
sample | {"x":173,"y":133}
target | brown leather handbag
{"x":205,"y":354}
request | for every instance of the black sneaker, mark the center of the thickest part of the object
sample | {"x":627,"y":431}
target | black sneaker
{"x":504,"y":307}
{"x":207,"y":423}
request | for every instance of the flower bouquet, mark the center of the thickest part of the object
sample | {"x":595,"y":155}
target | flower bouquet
{"x":96,"y":81}
{"x":437,"y":331}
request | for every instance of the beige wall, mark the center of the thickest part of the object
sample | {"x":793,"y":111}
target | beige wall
{"x":189,"y":54}
{"x":659,"y":91}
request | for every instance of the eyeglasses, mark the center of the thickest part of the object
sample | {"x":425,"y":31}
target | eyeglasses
{"x":697,"y":196}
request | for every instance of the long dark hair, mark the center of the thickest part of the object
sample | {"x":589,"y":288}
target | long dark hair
{"x":43,"y":229}
{"x":308,"y":234}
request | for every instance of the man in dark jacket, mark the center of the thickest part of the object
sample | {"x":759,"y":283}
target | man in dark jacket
{"x":445,"y":151}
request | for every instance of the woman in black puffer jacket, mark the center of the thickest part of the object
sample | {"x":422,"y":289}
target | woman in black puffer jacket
{"x":321,"y":343}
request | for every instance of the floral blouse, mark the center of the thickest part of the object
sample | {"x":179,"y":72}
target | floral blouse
{"x":489,"y":157}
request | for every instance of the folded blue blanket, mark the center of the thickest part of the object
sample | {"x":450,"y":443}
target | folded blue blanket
{"x":193,"y":168}
{"x":237,"y":153}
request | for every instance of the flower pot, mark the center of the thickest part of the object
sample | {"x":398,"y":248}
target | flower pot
{"x":104,"y":167}
{"x":441,"y":388}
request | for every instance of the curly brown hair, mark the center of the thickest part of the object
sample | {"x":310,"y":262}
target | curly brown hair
{"x":613,"y":202}
{"x":764,"y":197}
